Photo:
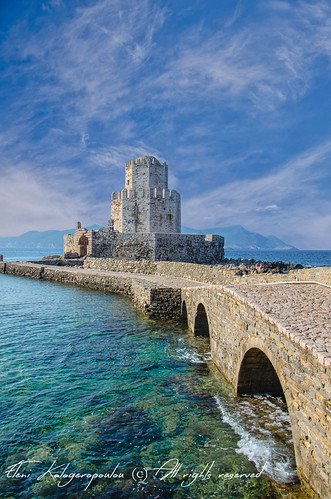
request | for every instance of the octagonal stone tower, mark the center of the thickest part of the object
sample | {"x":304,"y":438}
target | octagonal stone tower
{"x":146,"y":204}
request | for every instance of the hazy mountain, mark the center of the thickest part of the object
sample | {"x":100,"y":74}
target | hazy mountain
{"x":235,"y":236}
{"x":36,"y":239}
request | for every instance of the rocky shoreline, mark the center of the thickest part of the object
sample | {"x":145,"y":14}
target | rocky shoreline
{"x":243,"y":266}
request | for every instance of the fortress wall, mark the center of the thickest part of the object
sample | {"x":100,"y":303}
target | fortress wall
{"x":188,"y":248}
{"x":110,"y":264}
{"x":146,"y":210}
{"x":140,"y":246}
{"x":223,"y":275}
{"x":164,"y":212}
{"x":69,"y":243}
{"x":116,"y":212}
{"x":146,"y":172}
{"x":123,"y":246}
{"x":155,"y":246}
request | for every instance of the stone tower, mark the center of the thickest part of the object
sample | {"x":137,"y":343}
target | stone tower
{"x":146,"y":204}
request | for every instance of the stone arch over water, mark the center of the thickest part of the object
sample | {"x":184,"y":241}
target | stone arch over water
{"x":201,"y":325}
{"x":258,"y":354}
{"x":257,"y":375}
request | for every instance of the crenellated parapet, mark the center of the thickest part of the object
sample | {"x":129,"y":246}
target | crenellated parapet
{"x":155,"y":193}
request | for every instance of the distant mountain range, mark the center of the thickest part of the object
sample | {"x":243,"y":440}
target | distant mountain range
{"x":35,"y":239}
{"x":236,"y":237}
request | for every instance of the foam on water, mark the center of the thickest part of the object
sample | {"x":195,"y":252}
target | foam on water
{"x":262,"y":423}
{"x":188,"y":355}
{"x":259,"y":444}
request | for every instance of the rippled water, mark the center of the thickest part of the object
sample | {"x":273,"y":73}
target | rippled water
{"x":89,"y":387}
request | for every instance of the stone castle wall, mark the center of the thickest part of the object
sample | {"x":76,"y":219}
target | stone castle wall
{"x":155,"y":246}
{"x":106,"y":243}
{"x":146,"y":210}
{"x":81,"y":242}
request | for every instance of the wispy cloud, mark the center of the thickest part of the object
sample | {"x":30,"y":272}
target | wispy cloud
{"x":263,"y":63}
{"x":31,"y":202}
{"x":285,"y":201}
{"x":85,"y":65}
{"x":117,"y":156}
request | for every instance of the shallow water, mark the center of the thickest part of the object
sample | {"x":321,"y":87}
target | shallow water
{"x":89,"y":386}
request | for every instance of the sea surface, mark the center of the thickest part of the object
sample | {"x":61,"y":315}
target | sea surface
{"x":309,"y":258}
{"x":125,"y":407}
{"x":15,"y":254}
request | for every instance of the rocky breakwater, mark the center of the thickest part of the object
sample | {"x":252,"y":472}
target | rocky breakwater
{"x":242,"y":266}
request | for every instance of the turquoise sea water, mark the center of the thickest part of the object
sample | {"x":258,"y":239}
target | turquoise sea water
{"x":15,"y":254}
{"x":89,"y":387}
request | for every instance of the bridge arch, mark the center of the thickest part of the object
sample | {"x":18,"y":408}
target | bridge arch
{"x":201,"y":324}
{"x":257,"y":353}
{"x":257,"y":375}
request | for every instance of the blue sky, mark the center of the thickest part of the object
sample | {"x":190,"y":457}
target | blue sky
{"x":234,"y":95}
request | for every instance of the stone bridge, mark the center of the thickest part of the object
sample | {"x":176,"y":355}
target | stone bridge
{"x":275,"y":338}
{"x":272,"y":337}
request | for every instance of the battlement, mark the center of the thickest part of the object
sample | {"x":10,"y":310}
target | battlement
{"x":144,"y":160}
{"x":145,"y":193}
{"x":164,"y":194}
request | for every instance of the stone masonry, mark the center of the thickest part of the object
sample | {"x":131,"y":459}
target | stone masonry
{"x":145,"y":223}
{"x":276,"y":338}
{"x":146,"y":204}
